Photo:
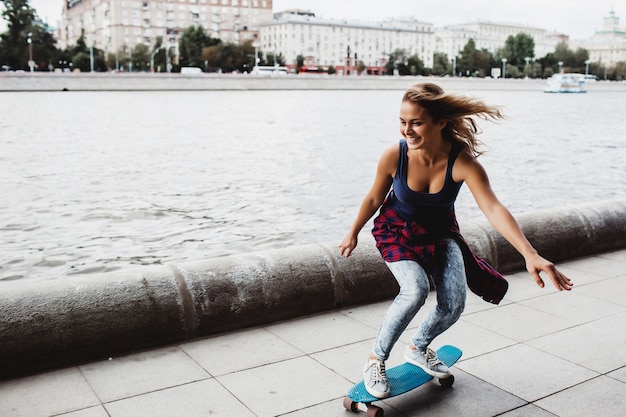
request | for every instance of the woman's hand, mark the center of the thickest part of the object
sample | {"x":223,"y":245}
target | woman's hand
{"x":535,"y":264}
{"x":347,"y":245}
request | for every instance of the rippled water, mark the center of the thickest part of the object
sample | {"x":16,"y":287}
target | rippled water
{"x":98,"y":181}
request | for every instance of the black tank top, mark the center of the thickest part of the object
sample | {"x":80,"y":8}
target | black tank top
{"x":422,"y":206}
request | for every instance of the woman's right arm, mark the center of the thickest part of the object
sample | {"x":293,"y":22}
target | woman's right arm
{"x":373,"y":199}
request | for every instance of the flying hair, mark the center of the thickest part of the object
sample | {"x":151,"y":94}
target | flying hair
{"x":456,"y":110}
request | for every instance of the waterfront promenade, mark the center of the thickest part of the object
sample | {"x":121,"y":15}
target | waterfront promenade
{"x":540,"y":353}
{"x":45,"y":81}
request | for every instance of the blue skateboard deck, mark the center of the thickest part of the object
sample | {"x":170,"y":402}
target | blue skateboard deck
{"x":402,"y":378}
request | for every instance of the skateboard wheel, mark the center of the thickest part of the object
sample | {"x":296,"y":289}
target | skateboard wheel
{"x":350,"y":405}
{"x":373,"y":411}
{"x":447,"y":382}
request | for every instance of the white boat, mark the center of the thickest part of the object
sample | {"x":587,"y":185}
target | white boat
{"x":566,"y":83}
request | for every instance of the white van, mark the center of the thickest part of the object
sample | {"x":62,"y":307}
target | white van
{"x":190,"y":70}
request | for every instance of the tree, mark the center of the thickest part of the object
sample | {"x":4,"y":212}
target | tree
{"x":299,"y":63}
{"x":211,"y":55}
{"x":13,"y":43}
{"x":415,"y":65}
{"x":441,"y":64}
{"x":517,"y":48}
{"x":193,"y":39}
{"x":397,"y":61}
{"x":570,"y":61}
{"x":140,"y":57}
{"x":617,"y":72}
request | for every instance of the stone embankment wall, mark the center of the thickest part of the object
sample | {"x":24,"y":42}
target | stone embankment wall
{"x":72,"y":320}
{"x":43,"y":81}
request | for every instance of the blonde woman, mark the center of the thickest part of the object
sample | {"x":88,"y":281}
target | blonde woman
{"x":416,"y":184}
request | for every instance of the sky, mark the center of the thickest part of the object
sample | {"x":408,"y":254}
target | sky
{"x":577,"y":18}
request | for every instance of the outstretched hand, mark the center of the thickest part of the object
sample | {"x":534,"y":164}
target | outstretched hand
{"x":347,"y":245}
{"x":535,"y":264}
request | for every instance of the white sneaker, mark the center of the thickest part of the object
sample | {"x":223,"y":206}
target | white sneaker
{"x":375,"y":378}
{"x":428,"y":361}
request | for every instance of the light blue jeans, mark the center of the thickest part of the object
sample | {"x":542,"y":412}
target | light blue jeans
{"x":450,"y":283}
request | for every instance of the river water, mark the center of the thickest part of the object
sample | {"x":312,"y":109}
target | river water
{"x":102,"y":181}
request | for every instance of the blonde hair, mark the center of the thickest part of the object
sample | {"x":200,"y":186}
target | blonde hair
{"x":456,"y":111}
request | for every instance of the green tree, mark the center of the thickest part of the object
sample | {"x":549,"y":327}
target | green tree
{"x":441,"y":64}
{"x":299,"y":63}
{"x":562,"y":54}
{"x":465,"y":59}
{"x":617,"y":72}
{"x":19,"y":16}
{"x":140,"y":57}
{"x":82,"y":61}
{"x":211,"y":55}
{"x":415,"y":65}
{"x":397,"y":61}
{"x":193,"y":39}
{"x":517,"y":48}
{"x":159,"y":56}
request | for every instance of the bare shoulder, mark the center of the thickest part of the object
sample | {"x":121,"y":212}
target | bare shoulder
{"x":466,"y":167}
{"x":389,"y":160}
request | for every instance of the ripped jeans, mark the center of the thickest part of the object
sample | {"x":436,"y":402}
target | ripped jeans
{"x":450,"y":283}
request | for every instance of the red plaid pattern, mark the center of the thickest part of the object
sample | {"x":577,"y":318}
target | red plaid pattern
{"x":397,"y":240}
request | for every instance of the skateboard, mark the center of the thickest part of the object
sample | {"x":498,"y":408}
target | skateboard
{"x":402,"y":378}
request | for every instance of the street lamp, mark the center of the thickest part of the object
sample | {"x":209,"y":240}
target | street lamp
{"x":30,"y":51}
{"x":587,"y":62}
{"x":504,"y":67}
{"x":453,"y":66}
{"x":527,"y":59}
{"x":560,"y":65}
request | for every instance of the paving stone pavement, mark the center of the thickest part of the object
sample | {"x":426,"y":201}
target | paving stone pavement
{"x":540,"y":353}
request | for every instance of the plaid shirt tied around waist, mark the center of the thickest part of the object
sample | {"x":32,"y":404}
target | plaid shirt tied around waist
{"x":397,"y":240}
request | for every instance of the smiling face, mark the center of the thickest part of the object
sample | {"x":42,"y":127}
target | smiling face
{"x":417,"y":126}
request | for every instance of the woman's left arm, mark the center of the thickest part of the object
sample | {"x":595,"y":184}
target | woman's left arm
{"x":471,"y":171}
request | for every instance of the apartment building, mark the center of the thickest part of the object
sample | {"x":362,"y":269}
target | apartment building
{"x":341,"y":43}
{"x":492,"y":37}
{"x":113,"y":24}
{"x":608,"y":45}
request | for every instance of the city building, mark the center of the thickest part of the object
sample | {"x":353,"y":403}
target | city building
{"x":113,"y":24}
{"x":343,"y":44}
{"x":492,"y":37}
{"x":607,"y":46}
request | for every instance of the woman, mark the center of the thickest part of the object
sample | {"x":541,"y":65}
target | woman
{"x":416,"y":230}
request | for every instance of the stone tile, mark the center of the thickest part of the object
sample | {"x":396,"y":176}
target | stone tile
{"x":46,"y":394}
{"x":326,"y":409}
{"x":606,"y":267}
{"x":516,"y":370}
{"x":371,"y":315}
{"x":468,"y":397}
{"x":518,"y":322}
{"x":198,"y":399}
{"x":574,"y":306}
{"x":471,"y":339}
{"x":598,"y":345}
{"x":619,"y":374}
{"x":523,"y":287}
{"x":141,"y":373}
{"x":619,"y":255}
{"x":599,"y":397}
{"x":348,"y":360}
{"x":578,"y":277}
{"x":529,"y":410}
{"x":238,"y":351}
{"x":608,"y":290}
{"x":88,"y":412}
{"x":284,"y":387}
{"x":325,"y":331}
